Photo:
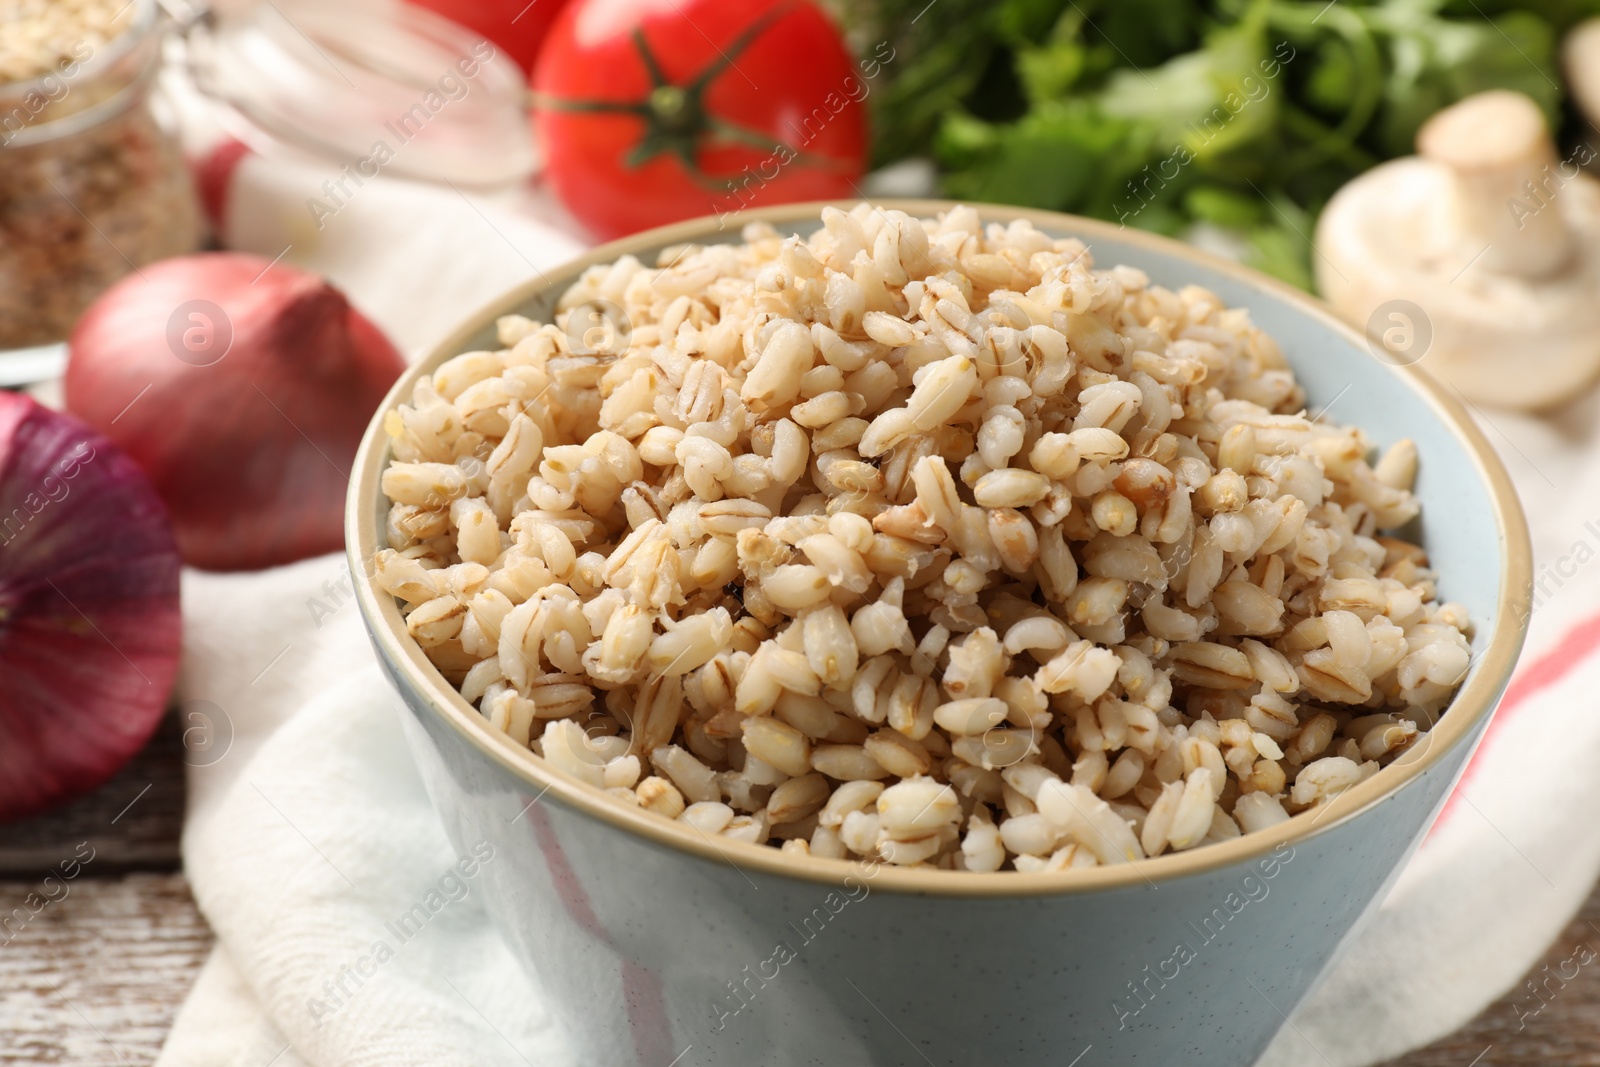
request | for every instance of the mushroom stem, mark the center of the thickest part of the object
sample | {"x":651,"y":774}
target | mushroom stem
{"x":1499,"y":149}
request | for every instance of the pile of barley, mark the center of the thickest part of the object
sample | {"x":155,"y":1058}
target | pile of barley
{"x":918,"y":540}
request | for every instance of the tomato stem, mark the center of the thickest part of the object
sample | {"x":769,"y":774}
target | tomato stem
{"x":675,"y":116}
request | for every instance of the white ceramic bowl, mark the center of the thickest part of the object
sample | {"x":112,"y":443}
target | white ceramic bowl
{"x":651,"y":938}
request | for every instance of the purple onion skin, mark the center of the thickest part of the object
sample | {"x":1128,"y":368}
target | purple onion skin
{"x":90,"y":627}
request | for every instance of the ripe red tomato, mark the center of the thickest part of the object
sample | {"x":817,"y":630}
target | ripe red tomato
{"x":516,"y":27}
{"x":651,"y":111}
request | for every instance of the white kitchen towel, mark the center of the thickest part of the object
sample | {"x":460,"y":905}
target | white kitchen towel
{"x":308,"y":829}
{"x":313,"y":867}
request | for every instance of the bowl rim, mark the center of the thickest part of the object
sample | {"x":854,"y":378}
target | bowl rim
{"x":1472,"y":705}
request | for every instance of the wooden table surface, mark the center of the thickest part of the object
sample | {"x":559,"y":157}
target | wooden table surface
{"x":95,"y":977}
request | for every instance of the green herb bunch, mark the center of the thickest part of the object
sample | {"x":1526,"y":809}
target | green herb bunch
{"x":1243,"y":114}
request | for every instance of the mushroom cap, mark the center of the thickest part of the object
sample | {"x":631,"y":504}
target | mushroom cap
{"x":1501,"y":339}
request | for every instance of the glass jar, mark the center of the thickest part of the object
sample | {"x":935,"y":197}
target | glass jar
{"x":363,"y":87}
{"x":92,"y":181}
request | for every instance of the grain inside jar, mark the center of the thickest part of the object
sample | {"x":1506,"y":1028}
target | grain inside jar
{"x":92,"y":186}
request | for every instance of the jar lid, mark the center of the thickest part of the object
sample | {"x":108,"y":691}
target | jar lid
{"x":379,"y":85}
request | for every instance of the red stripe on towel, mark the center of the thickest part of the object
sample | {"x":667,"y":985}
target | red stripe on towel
{"x":1551,"y":667}
{"x":1578,"y":645}
{"x":213,"y":179}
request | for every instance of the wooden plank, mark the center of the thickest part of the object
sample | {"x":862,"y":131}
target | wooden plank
{"x":95,"y":978}
{"x":132,"y":822}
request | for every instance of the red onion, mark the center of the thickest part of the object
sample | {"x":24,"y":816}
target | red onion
{"x":242,"y":387}
{"x":89,"y":623}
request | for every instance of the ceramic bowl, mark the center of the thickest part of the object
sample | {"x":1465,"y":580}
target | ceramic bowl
{"x":658,"y":945}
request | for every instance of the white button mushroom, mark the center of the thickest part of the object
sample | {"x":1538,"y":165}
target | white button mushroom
{"x":1480,"y":256}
